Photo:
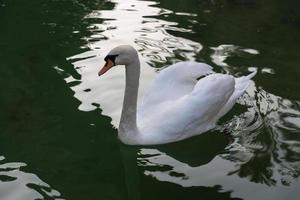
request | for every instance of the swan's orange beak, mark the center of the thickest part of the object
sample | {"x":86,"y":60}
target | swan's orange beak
{"x":109,"y":64}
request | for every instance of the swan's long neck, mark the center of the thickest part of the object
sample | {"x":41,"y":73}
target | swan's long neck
{"x":128,"y":122}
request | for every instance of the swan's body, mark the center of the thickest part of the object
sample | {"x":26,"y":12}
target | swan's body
{"x":177,"y":105}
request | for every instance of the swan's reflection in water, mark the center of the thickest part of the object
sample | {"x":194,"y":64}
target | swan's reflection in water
{"x":27,"y":185}
{"x":171,"y":164}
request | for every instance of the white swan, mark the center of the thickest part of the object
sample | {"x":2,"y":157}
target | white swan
{"x":177,"y":106}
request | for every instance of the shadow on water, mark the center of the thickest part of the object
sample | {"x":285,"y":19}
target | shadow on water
{"x":193,"y":151}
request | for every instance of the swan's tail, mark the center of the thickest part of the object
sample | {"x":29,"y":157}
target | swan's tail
{"x":241,"y":84}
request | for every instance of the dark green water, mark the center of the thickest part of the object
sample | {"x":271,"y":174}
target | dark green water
{"x":57,"y":135}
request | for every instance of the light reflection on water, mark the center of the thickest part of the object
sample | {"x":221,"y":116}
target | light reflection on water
{"x":17,"y":184}
{"x":222,"y":52}
{"x":267,"y":118}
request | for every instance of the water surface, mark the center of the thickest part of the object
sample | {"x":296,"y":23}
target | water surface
{"x":57,"y":124}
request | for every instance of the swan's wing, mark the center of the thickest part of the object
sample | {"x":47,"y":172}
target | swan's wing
{"x":173,"y":82}
{"x":196,"y":111}
{"x":206,"y":100}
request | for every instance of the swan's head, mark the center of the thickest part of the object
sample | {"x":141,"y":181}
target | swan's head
{"x":120,"y":55}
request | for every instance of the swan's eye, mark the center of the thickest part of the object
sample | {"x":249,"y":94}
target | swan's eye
{"x":110,"y":57}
